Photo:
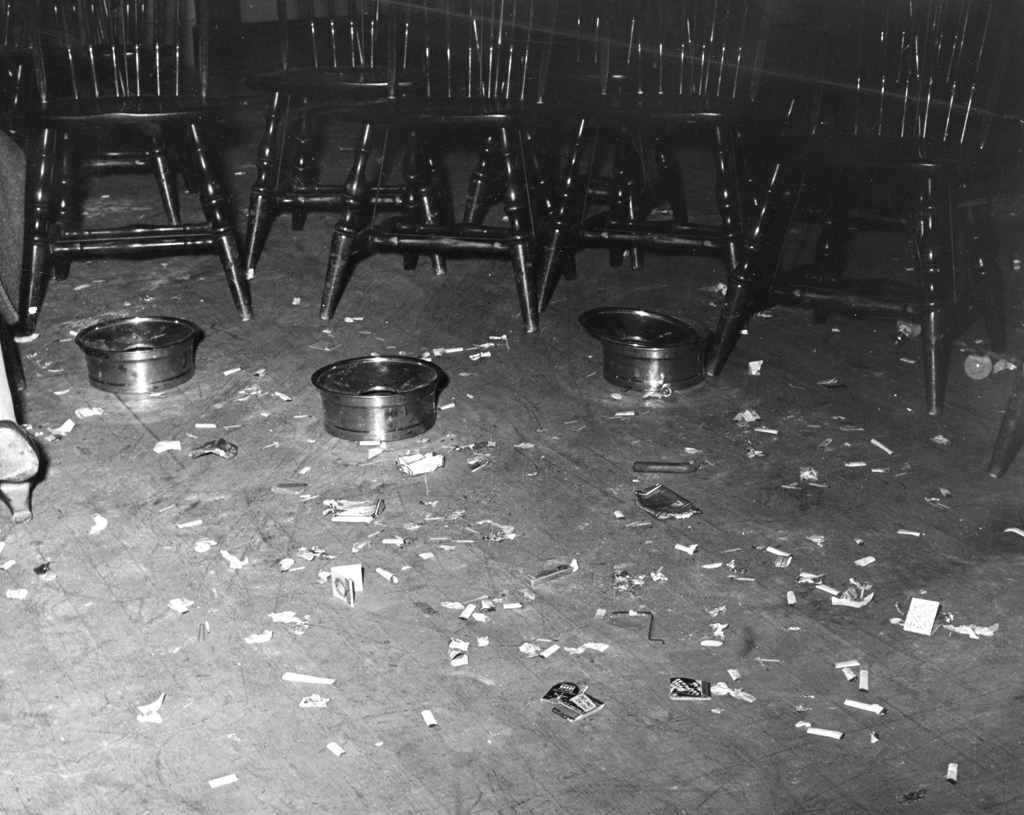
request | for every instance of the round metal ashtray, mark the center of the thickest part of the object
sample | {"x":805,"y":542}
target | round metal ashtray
{"x":139,"y":354}
{"x":379,"y":398}
{"x":646,"y":351}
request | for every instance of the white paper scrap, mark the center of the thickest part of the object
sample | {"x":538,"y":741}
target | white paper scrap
{"x":420,"y":463}
{"x":17,"y":594}
{"x":428,"y":718}
{"x":150,"y":713}
{"x":314,"y":700}
{"x":180,"y":604}
{"x":921,"y":616}
{"x":263,"y":636}
{"x":166,"y":446}
{"x":688,"y":549}
{"x":821,"y":731}
{"x":233,"y":561}
{"x":88,"y":412}
{"x":99,"y":523}
{"x":223,"y":781}
{"x":308,"y":679}
{"x":881,"y":447}
{"x":335,"y":749}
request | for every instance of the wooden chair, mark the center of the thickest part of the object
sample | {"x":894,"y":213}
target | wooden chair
{"x":485,"y":64}
{"x":112,"y":74}
{"x":17,"y":84}
{"x":894,"y":141}
{"x":659,"y":72}
{"x":339,"y":50}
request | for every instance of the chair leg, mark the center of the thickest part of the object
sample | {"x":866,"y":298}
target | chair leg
{"x":262,"y":198}
{"x":561,"y":238}
{"x":627,"y":174}
{"x":727,"y":195}
{"x":935,"y":269}
{"x":671,"y":181}
{"x":61,"y":206}
{"x":215,"y":207}
{"x":166,"y":180}
{"x":354,"y":212}
{"x":19,"y":459}
{"x":304,"y":166}
{"x":750,"y":282}
{"x":424,"y":203}
{"x":1011,"y":431}
{"x":36,"y":255}
{"x":521,"y":231}
{"x":483,"y":180}
{"x":986,"y":275}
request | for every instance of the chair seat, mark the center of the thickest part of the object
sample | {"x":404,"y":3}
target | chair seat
{"x":662,"y":109}
{"x":123,"y":109}
{"x":440,"y":111}
{"x":877,"y":153}
{"x":327,"y":80}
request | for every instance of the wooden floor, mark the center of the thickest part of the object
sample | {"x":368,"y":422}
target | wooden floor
{"x":95,"y":637}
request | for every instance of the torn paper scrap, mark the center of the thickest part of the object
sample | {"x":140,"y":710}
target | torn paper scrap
{"x":973,"y":631}
{"x":99,"y":523}
{"x":180,"y":604}
{"x":150,"y":714}
{"x":263,"y":636}
{"x":420,"y":463}
{"x":166,"y":446}
{"x":233,"y":561}
{"x":314,"y":700}
{"x":353,"y":512}
{"x":17,"y":594}
{"x":878,"y":710}
{"x":458,"y":652}
{"x":223,"y":781}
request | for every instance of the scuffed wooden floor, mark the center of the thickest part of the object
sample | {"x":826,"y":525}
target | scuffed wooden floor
{"x":96,"y":639}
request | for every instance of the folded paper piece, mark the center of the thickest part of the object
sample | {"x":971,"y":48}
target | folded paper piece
{"x":353,"y":512}
{"x":572,"y":702}
{"x":681,"y":687}
{"x":664,"y":504}
{"x":346,"y":581}
{"x":419,"y":463}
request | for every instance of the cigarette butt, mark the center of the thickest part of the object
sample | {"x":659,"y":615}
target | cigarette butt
{"x":428,"y":718}
{"x":849,"y":673}
{"x":467,"y":612}
{"x":222,"y":781}
{"x":771,"y":550}
{"x":389,"y":576}
{"x":821,"y":731}
{"x":862,"y":680}
{"x":909,"y":532}
{"x":791,"y":598}
{"x":848,"y":663}
{"x":881,"y":447}
{"x":878,"y":710}
{"x":951,"y":772}
{"x":335,"y":749}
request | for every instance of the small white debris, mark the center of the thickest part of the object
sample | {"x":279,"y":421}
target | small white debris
{"x":99,"y":523}
{"x":166,"y":446}
{"x":203,"y":545}
{"x":881,"y":447}
{"x":754,"y":367}
{"x":314,"y":700}
{"x":223,"y":781}
{"x":180,"y":605}
{"x":428,"y":718}
{"x":88,"y":412}
{"x":17,"y":594}
{"x":420,"y":463}
{"x":940,"y":439}
{"x":234,"y":562}
{"x":307,"y":679}
{"x":257,"y":639}
{"x":150,"y":713}
{"x":335,"y":749}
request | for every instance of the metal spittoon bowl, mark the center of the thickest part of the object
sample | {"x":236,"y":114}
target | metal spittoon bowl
{"x":379,"y":398}
{"x":647,"y":351}
{"x":139,"y":354}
